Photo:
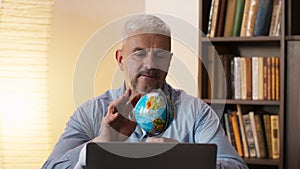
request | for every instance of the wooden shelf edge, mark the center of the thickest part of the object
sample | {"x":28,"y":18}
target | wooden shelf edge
{"x":262,"y":161}
{"x":248,"y":102}
{"x":241,"y":39}
{"x":293,"y":37}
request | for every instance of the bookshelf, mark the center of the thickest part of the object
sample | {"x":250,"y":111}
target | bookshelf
{"x":247,"y":47}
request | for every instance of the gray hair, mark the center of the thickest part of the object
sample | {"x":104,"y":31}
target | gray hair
{"x":145,"y":24}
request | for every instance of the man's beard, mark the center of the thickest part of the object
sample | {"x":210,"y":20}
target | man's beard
{"x":154,"y":73}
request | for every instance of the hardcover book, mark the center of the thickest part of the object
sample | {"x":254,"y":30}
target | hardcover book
{"x":263,"y":18}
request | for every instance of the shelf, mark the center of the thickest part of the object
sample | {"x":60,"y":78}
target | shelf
{"x":245,"y":102}
{"x":293,"y":38}
{"x":242,"y":39}
{"x":261,"y":161}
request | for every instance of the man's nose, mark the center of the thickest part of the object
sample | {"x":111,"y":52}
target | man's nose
{"x":149,"y":61}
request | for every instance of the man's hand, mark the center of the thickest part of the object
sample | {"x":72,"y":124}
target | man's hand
{"x":115,"y":125}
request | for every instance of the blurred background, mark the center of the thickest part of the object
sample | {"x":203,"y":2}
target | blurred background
{"x":40,"y":42}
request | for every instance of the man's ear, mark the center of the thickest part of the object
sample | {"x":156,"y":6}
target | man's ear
{"x":120,"y":59}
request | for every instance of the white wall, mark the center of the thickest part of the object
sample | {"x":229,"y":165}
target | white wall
{"x":73,"y":23}
{"x":183,"y":18}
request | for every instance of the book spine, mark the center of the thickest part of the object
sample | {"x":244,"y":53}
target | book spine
{"x":267,"y":127}
{"x":214,"y":18}
{"x":242,"y":129}
{"x":237,"y":136}
{"x":252,"y":17}
{"x":265,"y":77}
{"x":232,"y":79}
{"x":243,"y":78}
{"x":210,"y":17}
{"x":237,"y":78}
{"x":269,"y":76}
{"x":211,"y":71}
{"x":275,"y":18}
{"x":262,"y":22}
{"x":238,"y":16}
{"x":260,"y":78}
{"x":255,"y":78}
{"x":249,"y":135}
{"x":227,"y":129}
{"x":229,"y":18}
{"x":248,"y":64}
{"x":260,"y":136}
{"x":227,"y":62}
{"x":245,"y":18}
{"x":221,"y":20}
{"x":275,"y":136}
{"x":277,"y":78}
{"x":253,"y":126}
{"x":231,"y":131}
{"x":273,"y":77}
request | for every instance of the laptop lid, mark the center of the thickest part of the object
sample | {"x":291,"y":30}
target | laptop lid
{"x":118,"y":155}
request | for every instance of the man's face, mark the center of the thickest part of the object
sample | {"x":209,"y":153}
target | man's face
{"x":145,"y":60}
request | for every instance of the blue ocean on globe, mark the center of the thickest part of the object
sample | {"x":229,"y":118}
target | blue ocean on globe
{"x":154,"y":112}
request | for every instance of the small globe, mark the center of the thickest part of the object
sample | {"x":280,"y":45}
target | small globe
{"x":154,"y":112}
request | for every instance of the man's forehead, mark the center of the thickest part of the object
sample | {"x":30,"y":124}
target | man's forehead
{"x":143,"y":40}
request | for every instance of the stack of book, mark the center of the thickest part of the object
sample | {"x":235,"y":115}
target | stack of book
{"x":244,"y":18}
{"x":246,"y":78}
{"x":253,"y":134}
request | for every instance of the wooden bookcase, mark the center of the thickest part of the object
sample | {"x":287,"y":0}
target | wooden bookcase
{"x":262,"y":46}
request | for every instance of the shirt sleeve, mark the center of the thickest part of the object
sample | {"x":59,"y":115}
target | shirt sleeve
{"x":80,"y":129}
{"x":209,"y":130}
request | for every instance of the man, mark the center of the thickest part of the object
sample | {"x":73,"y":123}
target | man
{"x":144,"y":58}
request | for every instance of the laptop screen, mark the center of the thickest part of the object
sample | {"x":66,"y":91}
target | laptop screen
{"x":116,"y":155}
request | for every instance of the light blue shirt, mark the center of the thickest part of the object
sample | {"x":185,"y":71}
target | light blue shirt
{"x":194,"y":122}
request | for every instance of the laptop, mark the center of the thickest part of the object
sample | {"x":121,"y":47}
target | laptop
{"x":117,"y":155}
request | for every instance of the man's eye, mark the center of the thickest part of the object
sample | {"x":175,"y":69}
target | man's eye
{"x":140,"y":54}
{"x":163,"y":55}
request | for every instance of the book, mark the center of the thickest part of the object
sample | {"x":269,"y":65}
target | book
{"x":269,"y":78}
{"x":215,"y":13}
{"x":253,"y":126}
{"x":263,"y":18}
{"x":277,"y":78}
{"x":275,"y":19}
{"x":242,"y":131}
{"x":252,"y":17}
{"x":275,"y":136}
{"x":232,"y":79}
{"x":211,"y":71}
{"x":237,"y":78}
{"x":238,"y":16}
{"x":260,"y":136}
{"x":273,"y":77}
{"x":267,"y":128}
{"x":260,"y":78}
{"x":248,"y":65}
{"x":243,"y":78}
{"x":245,"y":18}
{"x":227,"y":129}
{"x":237,"y":137}
{"x":221,"y":18}
{"x":233,"y":142}
{"x":227,"y":64}
{"x":265,"y":78}
{"x":255,"y":78}
{"x":249,"y":135}
{"x":220,"y":80}
{"x":229,"y":18}
{"x":210,"y":18}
